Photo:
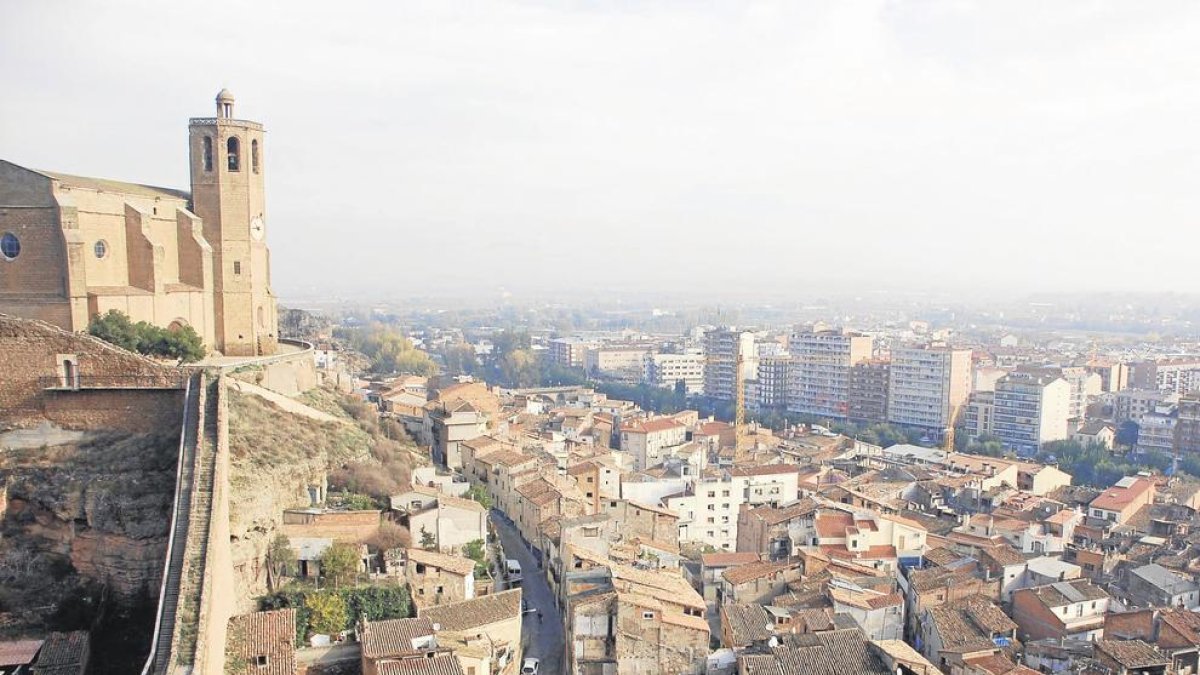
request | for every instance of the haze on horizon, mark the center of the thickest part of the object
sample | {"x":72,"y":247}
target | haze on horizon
{"x":426,"y":148}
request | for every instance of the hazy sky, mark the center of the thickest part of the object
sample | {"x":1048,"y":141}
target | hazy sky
{"x":786,"y":146}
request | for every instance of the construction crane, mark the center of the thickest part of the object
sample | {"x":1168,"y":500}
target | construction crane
{"x":949,"y":444}
{"x":739,"y":402}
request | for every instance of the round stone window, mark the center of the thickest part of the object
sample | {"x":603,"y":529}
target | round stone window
{"x":10,"y":246}
{"x":101,"y":249}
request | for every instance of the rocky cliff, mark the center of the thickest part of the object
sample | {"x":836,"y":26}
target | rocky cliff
{"x":93,"y":509}
{"x":280,"y":460}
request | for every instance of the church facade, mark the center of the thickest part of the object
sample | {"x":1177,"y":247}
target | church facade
{"x":72,"y":248}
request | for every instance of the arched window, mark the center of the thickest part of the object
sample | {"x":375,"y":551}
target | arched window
{"x":254,"y":155}
{"x":208,"y":153}
{"x":10,"y":246}
{"x":233,"y":149}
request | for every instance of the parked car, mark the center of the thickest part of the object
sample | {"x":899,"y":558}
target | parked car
{"x":513,"y":567}
{"x":531,"y":666}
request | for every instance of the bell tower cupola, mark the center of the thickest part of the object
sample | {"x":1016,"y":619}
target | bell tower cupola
{"x":225,"y":104}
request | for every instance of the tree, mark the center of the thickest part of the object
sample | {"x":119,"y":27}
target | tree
{"x":428,"y":541}
{"x":181,"y":343}
{"x":480,"y":495}
{"x":328,"y":613}
{"x":390,"y":536}
{"x":389,"y":350}
{"x":339,"y":563}
{"x":281,"y":559}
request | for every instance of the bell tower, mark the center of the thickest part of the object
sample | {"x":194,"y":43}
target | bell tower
{"x":227,"y":194}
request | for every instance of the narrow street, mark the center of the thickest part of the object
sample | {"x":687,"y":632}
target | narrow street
{"x":545,"y":640}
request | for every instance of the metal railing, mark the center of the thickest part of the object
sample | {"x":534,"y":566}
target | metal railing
{"x":83,"y":382}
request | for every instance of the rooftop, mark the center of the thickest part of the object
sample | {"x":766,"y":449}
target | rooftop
{"x":481,"y":611}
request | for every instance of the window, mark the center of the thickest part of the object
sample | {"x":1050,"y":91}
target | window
{"x":647,"y":615}
{"x":261,"y":661}
{"x":420,"y":568}
{"x":254,"y":155}
{"x":441,"y":589}
{"x":237,"y":267}
{"x":10,"y":246}
{"x":208,"y":153}
{"x":233,"y":149}
{"x":100,"y":249}
{"x":589,"y":479}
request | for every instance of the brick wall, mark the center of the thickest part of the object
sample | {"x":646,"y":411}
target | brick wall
{"x":31,"y":351}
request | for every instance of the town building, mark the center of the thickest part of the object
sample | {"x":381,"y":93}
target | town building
{"x":772,"y":389}
{"x":1071,"y":610}
{"x":668,"y":370}
{"x":725,"y":350}
{"x":646,"y":441}
{"x":74,"y":248}
{"x":979,"y":413}
{"x":868,"y":391}
{"x":627,"y":363}
{"x":1031,"y":407}
{"x":1156,"y":586}
{"x":1176,"y":375}
{"x":819,"y":383}
{"x":928,"y":386}
{"x":569,"y":352}
{"x":1118,"y":503}
{"x":261,"y":643}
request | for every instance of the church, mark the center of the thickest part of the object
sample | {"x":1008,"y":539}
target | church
{"x":73,"y":248}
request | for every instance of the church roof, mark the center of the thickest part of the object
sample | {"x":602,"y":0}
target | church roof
{"x":106,"y":185}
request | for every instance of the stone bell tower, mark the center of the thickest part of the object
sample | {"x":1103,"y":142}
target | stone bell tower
{"x":227,"y":193}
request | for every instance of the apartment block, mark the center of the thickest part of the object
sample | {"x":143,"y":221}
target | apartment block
{"x":868,"y":391}
{"x":1031,"y":407}
{"x":977,"y":415}
{"x":820,"y":378}
{"x":569,"y":352}
{"x":626,"y":362}
{"x":772,"y":390}
{"x":723,"y":349}
{"x":667,"y":370}
{"x":1133,"y":403}
{"x":1181,"y":375}
{"x":928,"y":385}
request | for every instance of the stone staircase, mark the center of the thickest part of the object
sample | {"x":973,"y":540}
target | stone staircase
{"x":180,"y":604}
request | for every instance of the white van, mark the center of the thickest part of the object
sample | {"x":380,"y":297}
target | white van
{"x":513,"y":567}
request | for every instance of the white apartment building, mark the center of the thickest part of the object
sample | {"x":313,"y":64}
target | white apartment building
{"x":928,"y":386}
{"x":819,"y":383}
{"x":1133,"y":404}
{"x":1084,"y":385}
{"x":665,"y":370}
{"x":722,"y":349}
{"x":708,"y":513}
{"x":1031,"y":408}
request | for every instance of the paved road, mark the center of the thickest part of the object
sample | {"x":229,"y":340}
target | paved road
{"x":544,"y":640}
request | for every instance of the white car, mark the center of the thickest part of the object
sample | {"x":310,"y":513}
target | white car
{"x":531,"y":666}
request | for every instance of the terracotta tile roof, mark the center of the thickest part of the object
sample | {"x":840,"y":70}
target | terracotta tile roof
{"x":1186,"y":623}
{"x":466,"y":614}
{"x":271,"y":634}
{"x":1064,"y":593}
{"x":1132,"y":654}
{"x":450,"y":501}
{"x":18,"y":652}
{"x":942,"y":556}
{"x":764,"y":470}
{"x":687,"y":621}
{"x":1116,"y":498}
{"x":727,"y":559}
{"x":831,"y":524}
{"x":442,"y":664}
{"x":751,"y":571}
{"x":996,"y":664}
{"x":833,"y":652}
{"x":773,"y":515}
{"x":653,"y":426}
{"x":865,"y":600}
{"x":393,"y":637}
{"x":967,"y":625}
{"x":746,"y":623}
{"x":1004,"y":555}
{"x":451,"y":563}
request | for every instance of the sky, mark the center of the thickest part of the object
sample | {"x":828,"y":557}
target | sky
{"x":471,"y":148}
